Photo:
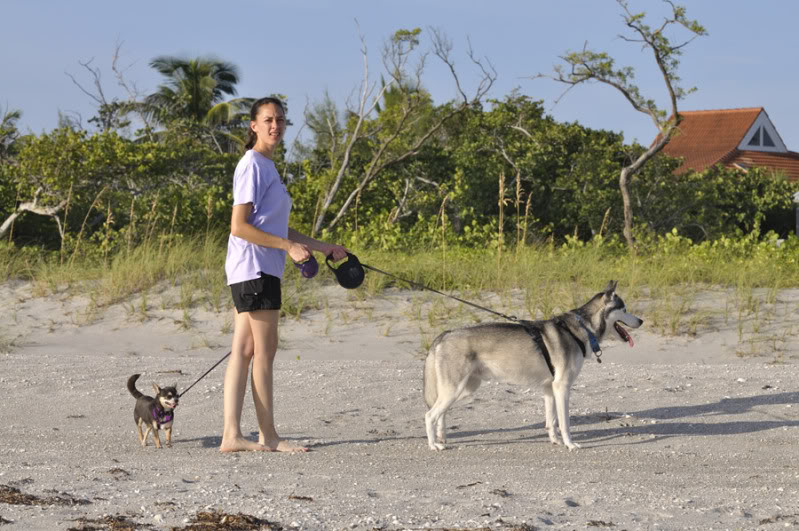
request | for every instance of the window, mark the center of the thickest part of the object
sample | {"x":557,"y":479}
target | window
{"x":767,"y":141}
{"x":755,"y":141}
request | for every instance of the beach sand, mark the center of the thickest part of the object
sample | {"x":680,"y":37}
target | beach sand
{"x":680,"y":432}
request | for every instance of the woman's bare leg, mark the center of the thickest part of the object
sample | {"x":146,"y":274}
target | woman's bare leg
{"x":264,"y":326}
{"x":236,"y":386}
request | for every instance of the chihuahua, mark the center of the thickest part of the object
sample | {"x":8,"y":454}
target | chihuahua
{"x":154,"y":413}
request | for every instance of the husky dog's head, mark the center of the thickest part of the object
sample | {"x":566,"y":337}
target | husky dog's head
{"x":615,"y":313}
{"x":166,"y":396}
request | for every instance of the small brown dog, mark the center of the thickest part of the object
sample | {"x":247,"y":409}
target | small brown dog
{"x":154,"y":413}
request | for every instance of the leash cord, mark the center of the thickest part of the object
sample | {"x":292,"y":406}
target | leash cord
{"x":204,"y":375}
{"x":412,"y":283}
{"x":509,"y":317}
{"x":591,"y":337}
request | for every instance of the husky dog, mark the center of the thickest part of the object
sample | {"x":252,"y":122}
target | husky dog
{"x":154,"y":413}
{"x":547,"y":353}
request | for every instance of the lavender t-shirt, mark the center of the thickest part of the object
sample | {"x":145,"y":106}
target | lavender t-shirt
{"x":256,"y":181}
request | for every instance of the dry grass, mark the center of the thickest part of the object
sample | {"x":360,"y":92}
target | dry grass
{"x":531,"y":282}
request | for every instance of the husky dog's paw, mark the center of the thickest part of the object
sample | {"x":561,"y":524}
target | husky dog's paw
{"x":437,"y":446}
{"x":555,"y":440}
{"x":573,"y":446}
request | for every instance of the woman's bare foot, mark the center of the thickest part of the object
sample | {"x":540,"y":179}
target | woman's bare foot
{"x":240,"y":444}
{"x":282,"y":445}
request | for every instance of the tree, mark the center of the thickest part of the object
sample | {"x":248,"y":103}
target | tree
{"x":9,"y":134}
{"x":558,"y":175}
{"x":113,"y":114}
{"x":71,"y":180}
{"x":403,"y":125}
{"x":193,"y":87}
{"x":587,"y":65}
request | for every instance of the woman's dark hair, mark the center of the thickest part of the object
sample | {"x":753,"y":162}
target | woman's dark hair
{"x":252,"y":137}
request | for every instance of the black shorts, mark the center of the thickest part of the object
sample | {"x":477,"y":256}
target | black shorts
{"x":262,"y":293}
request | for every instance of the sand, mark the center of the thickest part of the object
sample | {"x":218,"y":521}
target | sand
{"x":679,"y":432}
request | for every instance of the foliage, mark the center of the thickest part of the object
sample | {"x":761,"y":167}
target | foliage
{"x":9,"y":134}
{"x":590,"y":66}
{"x":128,"y":186}
{"x":400,"y":173}
{"x":192,"y":88}
{"x":713,"y":203}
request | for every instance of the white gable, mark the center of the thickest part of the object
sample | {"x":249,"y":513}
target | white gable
{"x":762,"y":136}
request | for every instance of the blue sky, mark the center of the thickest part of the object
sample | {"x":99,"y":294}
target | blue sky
{"x":304,"y":48}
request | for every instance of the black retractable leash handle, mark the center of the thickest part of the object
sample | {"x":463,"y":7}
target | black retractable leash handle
{"x":204,"y":375}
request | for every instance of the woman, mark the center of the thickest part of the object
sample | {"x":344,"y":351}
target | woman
{"x":259,"y":240}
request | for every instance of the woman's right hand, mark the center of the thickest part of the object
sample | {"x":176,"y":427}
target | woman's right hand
{"x":299,"y":252}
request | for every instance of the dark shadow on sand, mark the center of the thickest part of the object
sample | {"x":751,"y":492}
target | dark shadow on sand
{"x":631,"y":428}
{"x":725,"y":406}
{"x":634,"y":426}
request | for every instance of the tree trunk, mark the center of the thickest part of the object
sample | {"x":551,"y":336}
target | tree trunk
{"x":31,"y":206}
{"x":624,"y":186}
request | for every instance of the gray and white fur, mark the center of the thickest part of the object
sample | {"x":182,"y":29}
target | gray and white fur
{"x":516,"y":353}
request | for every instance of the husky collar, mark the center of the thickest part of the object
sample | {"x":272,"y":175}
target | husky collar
{"x":162,"y":416}
{"x":591,"y":338}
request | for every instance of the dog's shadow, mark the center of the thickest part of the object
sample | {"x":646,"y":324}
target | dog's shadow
{"x":640,"y":423}
{"x":725,"y":406}
{"x":663,"y":428}
{"x":632,"y":425}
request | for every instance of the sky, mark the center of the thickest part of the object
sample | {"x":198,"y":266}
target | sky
{"x":306,"y":48}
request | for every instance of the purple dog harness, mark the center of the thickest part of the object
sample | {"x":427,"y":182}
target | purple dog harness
{"x":162,"y":416}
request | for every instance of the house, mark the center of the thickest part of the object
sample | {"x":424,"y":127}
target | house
{"x":735,"y":138}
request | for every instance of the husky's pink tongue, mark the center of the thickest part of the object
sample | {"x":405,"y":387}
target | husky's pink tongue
{"x":624,"y":335}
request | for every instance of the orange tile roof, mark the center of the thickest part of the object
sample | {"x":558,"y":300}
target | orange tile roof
{"x":706,"y":138}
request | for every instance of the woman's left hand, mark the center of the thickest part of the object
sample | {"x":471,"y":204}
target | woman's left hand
{"x":339,"y":252}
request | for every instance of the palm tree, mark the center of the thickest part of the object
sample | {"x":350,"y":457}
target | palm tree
{"x":9,"y":134}
{"x":193,"y":89}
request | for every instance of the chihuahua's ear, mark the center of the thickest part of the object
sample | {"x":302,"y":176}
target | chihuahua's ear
{"x":611,"y":286}
{"x":157,"y":389}
{"x":175,"y":385}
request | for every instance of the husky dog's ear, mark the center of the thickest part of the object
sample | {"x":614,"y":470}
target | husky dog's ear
{"x":157,"y":389}
{"x":611,"y":286}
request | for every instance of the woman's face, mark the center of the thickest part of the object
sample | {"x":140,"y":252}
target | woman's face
{"x":269,"y":125}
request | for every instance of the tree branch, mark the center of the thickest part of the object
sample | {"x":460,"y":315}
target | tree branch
{"x":33,"y":207}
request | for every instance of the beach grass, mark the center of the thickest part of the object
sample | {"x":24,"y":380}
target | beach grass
{"x":184,"y":274}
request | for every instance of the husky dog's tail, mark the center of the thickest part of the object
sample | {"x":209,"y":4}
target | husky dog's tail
{"x":132,"y":386}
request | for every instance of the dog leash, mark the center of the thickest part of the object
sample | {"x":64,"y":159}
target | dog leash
{"x":534,"y":331}
{"x":204,"y":375}
{"x":529,"y":326}
{"x":508,"y":317}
